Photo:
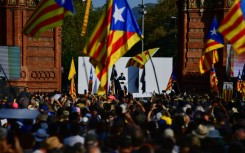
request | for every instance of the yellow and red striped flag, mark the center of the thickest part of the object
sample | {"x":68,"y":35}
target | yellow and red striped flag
{"x":169,"y":85}
{"x":232,"y":26}
{"x":71,"y":76}
{"x":214,"y":80}
{"x":210,"y":54}
{"x":207,"y":60}
{"x":48,"y":14}
{"x":171,"y":80}
{"x":140,"y":59}
{"x":116,"y":32}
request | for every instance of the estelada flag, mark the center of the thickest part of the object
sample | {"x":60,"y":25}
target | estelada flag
{"x":140,"y":59}
{"x":210,"y":53}
{"x":116,"y":32}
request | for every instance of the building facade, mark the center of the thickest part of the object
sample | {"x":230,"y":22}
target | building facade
{"x":195,"y":18}
{"x":40,"y":57}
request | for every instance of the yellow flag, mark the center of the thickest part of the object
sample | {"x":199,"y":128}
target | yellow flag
{"x":72,"y":71}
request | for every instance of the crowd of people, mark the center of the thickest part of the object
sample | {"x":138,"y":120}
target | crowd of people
{"x":162,"y":123}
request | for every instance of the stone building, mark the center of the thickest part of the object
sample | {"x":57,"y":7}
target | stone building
{"x":41,"y":57}
{"x":195,"y":18}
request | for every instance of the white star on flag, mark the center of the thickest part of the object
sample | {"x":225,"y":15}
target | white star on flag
{"x":213,"y":32}
{"x":118,"y":14}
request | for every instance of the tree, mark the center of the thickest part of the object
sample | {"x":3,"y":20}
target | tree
{"x":72,"y":41}
{"x":160,"y":29}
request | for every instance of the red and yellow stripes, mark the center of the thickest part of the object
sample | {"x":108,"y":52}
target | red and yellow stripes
{"x":213,"y":80}
{"x":140,"y":59}
{"x":170,"y":82}
{"x":207,"y":59}
{"x":212,"y":45}
{"x":73,"y":90}
{"x":106,"y":46}
{"x":47,"y":15}
{"x":232,"y":27}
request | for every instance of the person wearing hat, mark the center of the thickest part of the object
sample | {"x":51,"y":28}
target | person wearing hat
{"x":214,"y":134}
{"x":33,"y":104}
{"x":40,"y":135}
{"x":52,"y":143}
{"x":201,"y":131}
{"x":213,"y":142}
{"x":65,"y":116}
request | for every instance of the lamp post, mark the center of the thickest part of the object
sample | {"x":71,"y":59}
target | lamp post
{"x":174,"y":17}
{"x":142,"y":11}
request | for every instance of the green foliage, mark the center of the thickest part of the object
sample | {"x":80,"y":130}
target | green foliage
{"x":160,"y":29}
{"x":72,"y":41}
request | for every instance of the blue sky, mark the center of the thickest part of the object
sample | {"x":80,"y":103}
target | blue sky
{"x":132,"y":3}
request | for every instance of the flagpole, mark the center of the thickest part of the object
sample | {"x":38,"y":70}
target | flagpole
{"x":86,"y":73}
{"x":143,"y":12}
{"x":155,"y":75}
